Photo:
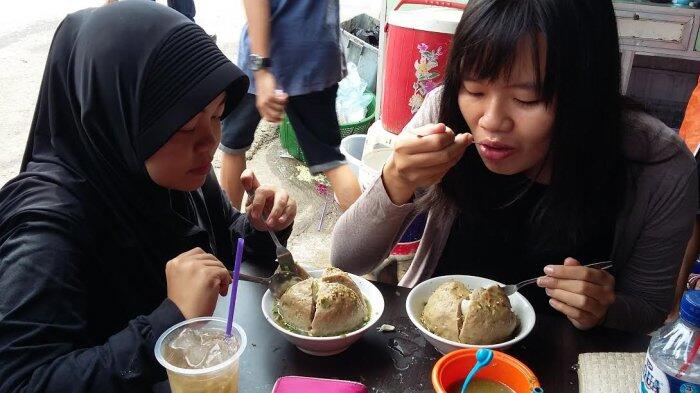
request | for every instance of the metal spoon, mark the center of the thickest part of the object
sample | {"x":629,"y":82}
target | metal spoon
{"x":284,"y":257}
{"x":512,"y":288}
{"x":277,"y":283}
{"x":288,"y":269}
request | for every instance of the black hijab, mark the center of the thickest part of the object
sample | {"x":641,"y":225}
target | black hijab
{"x":84,"y":232}
{"x":120,"y":80}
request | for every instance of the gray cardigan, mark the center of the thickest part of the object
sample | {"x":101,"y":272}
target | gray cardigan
{"x":652,"y":228}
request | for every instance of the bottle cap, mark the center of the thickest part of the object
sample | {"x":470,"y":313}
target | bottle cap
{"x":690,"y":307}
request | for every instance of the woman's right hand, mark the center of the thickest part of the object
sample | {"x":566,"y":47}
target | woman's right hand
{"x":421,"y":158}
{"x":195,"y":279}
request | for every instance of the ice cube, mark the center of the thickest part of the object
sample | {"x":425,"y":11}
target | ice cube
{"x":216,"y":355}
{"x":221,"y":348}
{"x":187,"y":338}
{"x":201,"y":348}
{"x":231,"y":345}
{"x":195,"y":355}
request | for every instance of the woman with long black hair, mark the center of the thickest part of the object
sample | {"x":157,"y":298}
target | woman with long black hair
{"x":116,"y":229}
{"x":527,"y":160}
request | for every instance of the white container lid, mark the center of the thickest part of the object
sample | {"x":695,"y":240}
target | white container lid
{"x":433,"y":19}
{"x":378,"y":137}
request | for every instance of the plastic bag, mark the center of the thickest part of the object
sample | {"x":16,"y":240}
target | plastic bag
{"x":370,"y":36}
{"x":352,"y":101}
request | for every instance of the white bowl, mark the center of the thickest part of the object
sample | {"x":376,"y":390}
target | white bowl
{"x":331,"y":345}
{"x":419,"y":295}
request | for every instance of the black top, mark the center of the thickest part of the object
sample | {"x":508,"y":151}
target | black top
{"x":84,"y":232}
{"x":503,"y":241}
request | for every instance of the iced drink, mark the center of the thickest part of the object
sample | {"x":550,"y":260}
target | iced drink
{"x":198,"y":356}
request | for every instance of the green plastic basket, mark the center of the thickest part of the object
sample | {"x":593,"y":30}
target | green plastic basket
{"x":288,"y":137}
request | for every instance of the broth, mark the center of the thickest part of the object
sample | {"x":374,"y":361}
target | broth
{"x":479,"y":385}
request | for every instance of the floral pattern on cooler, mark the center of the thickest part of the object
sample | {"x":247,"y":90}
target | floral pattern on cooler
{"x":426,"y":78}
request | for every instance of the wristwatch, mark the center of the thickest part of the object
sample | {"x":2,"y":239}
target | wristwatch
{"x":258,"y":62}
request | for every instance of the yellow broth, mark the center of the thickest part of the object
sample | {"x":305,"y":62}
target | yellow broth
{"x":479,"y":385}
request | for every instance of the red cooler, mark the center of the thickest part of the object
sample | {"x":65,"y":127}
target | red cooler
{"x":418,"y":43}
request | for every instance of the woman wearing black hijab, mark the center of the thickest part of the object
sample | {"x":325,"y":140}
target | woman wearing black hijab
{"x":115,"y":229}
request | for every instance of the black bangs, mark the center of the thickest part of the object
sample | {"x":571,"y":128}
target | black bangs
{"x":492,"y":35}
{"x":581,"y":69}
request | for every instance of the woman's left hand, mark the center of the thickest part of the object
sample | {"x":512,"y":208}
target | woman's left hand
{"x":267,"y":201}
{"x":582,"y":294}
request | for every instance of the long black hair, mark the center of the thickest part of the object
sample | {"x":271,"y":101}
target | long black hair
{"x":581,"y":77}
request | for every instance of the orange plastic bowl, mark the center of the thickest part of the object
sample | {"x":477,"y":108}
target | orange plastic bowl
{"x":453,"y":368}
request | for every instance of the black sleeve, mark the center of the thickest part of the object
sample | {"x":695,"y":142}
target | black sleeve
{"x":44,"y":325}
{"x":644,"y":288}
{"x":259,"y":247}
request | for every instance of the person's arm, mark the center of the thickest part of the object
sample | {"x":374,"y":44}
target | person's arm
{"x":44,"y":340}
{"x":424,"y":151}
{"x":269,"y":103}
{"x":691,"y":252}
{"x":645,"y":286}
{"x":365,"y":234}
{"x":691,"y":255}
{"x":259,"y":246}
{"x":258,"y":14}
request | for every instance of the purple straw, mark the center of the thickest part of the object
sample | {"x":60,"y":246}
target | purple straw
{"x":234,"y":285}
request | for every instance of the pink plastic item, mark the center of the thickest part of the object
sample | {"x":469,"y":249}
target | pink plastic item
{"x":294,"y":384}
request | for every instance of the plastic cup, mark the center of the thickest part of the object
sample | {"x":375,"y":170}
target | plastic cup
{"x":222,"y":377}
{"x":451,"y":369}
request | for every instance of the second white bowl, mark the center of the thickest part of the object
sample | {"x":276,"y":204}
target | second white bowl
{"x":419,"y":295}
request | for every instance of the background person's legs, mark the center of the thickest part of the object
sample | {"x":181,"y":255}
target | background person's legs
{"x":315,"y":123}
{"x":237,"y":133}
{"x":232,"y":166}
{"x":345,"y":185}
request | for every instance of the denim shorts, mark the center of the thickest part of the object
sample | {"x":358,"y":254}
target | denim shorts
{"x":313,"y":118}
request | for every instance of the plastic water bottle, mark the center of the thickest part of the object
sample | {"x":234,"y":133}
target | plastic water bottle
{"x":672,"y":364}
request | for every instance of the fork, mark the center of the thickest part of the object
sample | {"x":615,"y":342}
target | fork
{"x":284,"y":257}
{"x":278,"y":283}
{"x":512,"y":288}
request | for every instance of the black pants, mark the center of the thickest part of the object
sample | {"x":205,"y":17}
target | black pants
{"x":314,"y":120}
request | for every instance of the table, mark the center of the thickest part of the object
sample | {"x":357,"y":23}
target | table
{"x":401,"y":361}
